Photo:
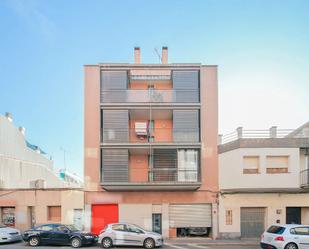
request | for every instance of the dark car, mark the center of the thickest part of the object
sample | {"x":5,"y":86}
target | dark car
{"x":58,"y":234}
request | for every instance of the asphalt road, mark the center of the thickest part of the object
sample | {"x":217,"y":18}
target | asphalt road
{"x":178,"y":245}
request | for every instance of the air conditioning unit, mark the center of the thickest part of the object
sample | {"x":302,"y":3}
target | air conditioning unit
{"x":40,"y":183}
{"x":141,"y":128}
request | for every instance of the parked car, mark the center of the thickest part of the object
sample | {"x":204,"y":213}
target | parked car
{"x":9,"y":234}
{"x":194,"y":231}
{"x":290,"y":236}
{"x":58,"y":234}
{"x":128,"y":234}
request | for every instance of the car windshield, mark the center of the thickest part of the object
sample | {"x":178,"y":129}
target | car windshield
{"x":72,"y":228}
{"x":276,"y":229}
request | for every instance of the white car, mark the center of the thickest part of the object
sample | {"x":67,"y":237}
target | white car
{"x":290,"y":236}
{"x":125,"y":234}
{"x":8,"y":234}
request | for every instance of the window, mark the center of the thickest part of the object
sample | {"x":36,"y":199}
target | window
{"x":61,"y":228}
{"x":276,"y":229}
{"x":119,"y":227}
{"x":277,"y":164}
{"x":134,"y":229}
{"x":187,"y":165}
{"x":54,"y":213}
{"x":228,"y":217}
{"x":45,"y":228}
{"x":251,"y":164}
{"x":300,"y":230}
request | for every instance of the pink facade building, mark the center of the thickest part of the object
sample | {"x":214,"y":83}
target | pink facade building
{"x":151,"y":146}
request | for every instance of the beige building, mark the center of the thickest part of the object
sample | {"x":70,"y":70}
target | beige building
{"x":263,"y":179}
{"x":31,"y":193}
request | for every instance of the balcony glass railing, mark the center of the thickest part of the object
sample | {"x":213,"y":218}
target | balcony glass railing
{"x":156,"y":135}
{"x":150,"y":96}
{"x":173,"y":175}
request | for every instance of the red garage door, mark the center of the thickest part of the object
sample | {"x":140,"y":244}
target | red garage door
{"x":103,"y":214}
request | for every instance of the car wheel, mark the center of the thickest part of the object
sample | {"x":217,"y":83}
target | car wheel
{"x":291,"y":246}
{"x":34,"y":241}
{"x":107,"y":243}
{"x":76,"y":242}
{"x":149,"y":243}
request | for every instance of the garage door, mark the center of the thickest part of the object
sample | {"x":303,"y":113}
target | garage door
{"x":190,"y":215}
{"x":102,"y":215}
{"x":252,"y":222}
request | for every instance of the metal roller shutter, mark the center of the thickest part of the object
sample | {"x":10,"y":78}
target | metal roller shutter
{"x":115,"y":165}
{"x":190,"y":215}
{"x":186,"y":125}
{"x":115,"y":126}
{"x":252,"y":222}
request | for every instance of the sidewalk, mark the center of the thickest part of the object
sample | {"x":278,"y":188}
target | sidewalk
{"x":217,"y":242}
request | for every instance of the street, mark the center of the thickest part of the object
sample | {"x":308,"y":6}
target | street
{"x":168,"y":245}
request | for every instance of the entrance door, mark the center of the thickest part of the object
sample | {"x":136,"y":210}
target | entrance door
{"x":157,"y":223}
{"x":78,"y":218}
{"x":102,"y":215}
{"x":31,"y":216}
{"x":293,"y":215}
{"x":252,"y":222}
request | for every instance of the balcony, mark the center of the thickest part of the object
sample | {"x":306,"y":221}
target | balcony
{"x":304,"y":178}
{"x":149,"y":96}
{"x":150,"y":169}
{"x":151,"y":136}
{"x":159,"y":179}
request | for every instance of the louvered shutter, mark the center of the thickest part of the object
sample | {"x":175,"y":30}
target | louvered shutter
{"x":115,"y":165}
{"x":115,"y":126}
{"x":185,"y":125}
{"x":113,"y":86}
{"x":186,"y":86}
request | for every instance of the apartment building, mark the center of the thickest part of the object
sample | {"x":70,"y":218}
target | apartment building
{"x":31,"y":193}
{"x":263,"y":180}
{"x":151,"y":145}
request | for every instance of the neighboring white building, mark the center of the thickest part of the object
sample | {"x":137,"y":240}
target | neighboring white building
{"x":263,"y":179}
{"x":31,"y":193}
{"x":23,"y":165}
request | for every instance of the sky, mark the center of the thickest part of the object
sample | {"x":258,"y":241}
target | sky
{"x":261,"y":48}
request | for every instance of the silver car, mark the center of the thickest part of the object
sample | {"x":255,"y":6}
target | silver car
{"x":290,"y":236}
{"x":125,"y":234}
{"x":8,"y":234}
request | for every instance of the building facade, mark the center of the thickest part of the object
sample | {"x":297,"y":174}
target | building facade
{"x":31,"y":193}
{"x":263,"y":181}
{"x":151,"y":145}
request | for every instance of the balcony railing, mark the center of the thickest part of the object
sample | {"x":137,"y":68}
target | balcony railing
{"x":160,"y":179}
{"x":173,"y":175}
{"x":304,"y":178}
{"x":150,"y":96}
{"x":156,"y":135}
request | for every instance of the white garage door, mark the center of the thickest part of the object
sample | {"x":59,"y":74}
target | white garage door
{"x":190,"y":215}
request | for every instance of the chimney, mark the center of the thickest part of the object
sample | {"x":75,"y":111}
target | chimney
{"x":137,"y":55}
{"x":22,"y":130}
{"x":164,"y":55}
{"x":9,"y":116}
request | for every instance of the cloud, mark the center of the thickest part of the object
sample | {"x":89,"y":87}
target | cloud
{"x":33,"y":17}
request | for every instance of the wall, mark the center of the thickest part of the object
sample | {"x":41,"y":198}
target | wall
{"x":209,"y":128}
{"x":272,"y":203}
{"x":231,"y":169}
{"x":40,"y":200}
{"x":138,"y":168}
{"x":92,"y":127}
